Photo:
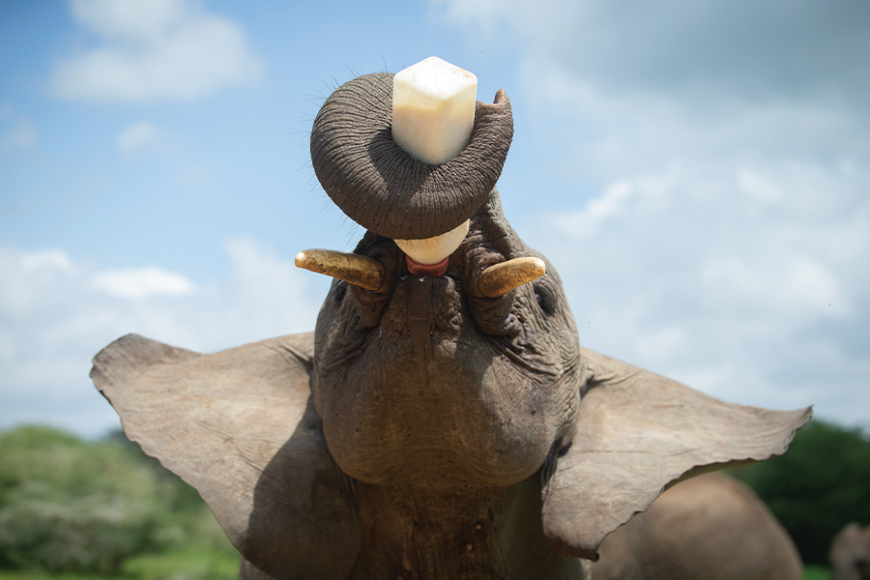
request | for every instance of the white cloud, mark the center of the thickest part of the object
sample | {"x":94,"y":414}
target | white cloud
{"x":29,"y":281}
{"x":161,"y":49}
{"x":144,"y":139}
{"x":540,"y":19}
{"x":196,"y":176}
{"x":799,"y":49}
{"x":758,"y":186}
{"x":142,"y":283}
{"x":636,"y":130}
{"x":795,"y":285}
{"x":20,"y":138}
{"x":757,"y":302}
{"x":56,"y":314}
{"x":138,"y":138}
{"x":728,"y":241}
{"x":586,"y":222}
{"x":140,"y":20}
{"x":47,"y":260}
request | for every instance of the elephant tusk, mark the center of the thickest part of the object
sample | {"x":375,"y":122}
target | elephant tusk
{"x":498,"y":280}
{"x":357,"y":270}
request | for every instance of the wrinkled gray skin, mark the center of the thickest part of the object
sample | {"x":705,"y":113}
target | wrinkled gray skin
{"x":431,"y":356}
{"x":711,"y":527}
{"x":425,"y":431}
{"x":451,"y":402}
{"x":850,"y":553}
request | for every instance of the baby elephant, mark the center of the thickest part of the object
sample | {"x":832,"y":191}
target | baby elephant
{"x":710,"y":527}
{"x":441,"y":422}
{"x":850,"y":553}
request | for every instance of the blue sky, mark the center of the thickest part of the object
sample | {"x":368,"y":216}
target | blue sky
{"x":698,"y":174}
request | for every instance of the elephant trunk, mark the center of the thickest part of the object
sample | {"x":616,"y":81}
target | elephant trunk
{"x":386,"y":190}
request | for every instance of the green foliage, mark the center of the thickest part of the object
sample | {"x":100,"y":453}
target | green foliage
{"x":178,"y":496}
{"x":79,"y":507}
{"x":174,"y":565}
{"x":189,"y":565}
{"x":69,"y":505}
{"x":818,"y":486}
{"x":183,"y":508}
{"x":812,"y":573}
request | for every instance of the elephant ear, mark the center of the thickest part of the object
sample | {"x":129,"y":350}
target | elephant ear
{"x":637,"y":434}
{"x":240,"y":426}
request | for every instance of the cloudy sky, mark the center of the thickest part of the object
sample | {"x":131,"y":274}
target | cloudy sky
{"x":699,"y":173}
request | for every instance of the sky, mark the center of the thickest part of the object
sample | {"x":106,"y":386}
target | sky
{"x":699,"y":174}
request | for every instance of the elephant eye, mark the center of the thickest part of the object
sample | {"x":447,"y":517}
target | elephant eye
{"x":340,"y":290}
{"x":545,"y":299}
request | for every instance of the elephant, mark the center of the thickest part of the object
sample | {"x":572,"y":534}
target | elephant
{"x":711,"y":526}
{"x":433,"y":425}
{"x":850,"y":553}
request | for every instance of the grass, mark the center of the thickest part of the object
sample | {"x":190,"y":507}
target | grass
{"x":812,"y":572}
{"x":184,"y":566}
{"x":187,"y":565}
{"x":193,"y":565}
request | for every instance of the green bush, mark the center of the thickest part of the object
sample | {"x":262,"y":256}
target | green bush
{"x":192,"y":521}
{"x":818,"y":486}
{"x":71,"y":505}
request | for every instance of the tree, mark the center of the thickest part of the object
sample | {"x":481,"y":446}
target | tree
{"x":71,"y":505}
{"x":818,"y":486}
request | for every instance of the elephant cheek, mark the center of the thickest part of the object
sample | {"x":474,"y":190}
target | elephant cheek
{"x":472,"y":421}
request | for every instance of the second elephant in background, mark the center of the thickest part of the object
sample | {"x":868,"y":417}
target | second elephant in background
{"x":711,"y":527}
{"x":850,"y":553}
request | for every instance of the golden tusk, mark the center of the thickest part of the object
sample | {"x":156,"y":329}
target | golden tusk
{"x":358,"y":270}
{"x":500,"y":279}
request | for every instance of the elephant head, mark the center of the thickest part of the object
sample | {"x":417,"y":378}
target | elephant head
{"x":442,"y":425}
{"x":431,"y":379}
{"x":850,"y":553}
{"x":452,"y":380}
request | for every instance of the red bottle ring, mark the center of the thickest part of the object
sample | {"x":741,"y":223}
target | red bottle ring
{"x":434,"y":270}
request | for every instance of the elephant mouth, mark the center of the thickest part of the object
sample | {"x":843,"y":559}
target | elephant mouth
{"x":412,"y":341}
{"x":491,"y":281}
{"x":491,"y":289}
